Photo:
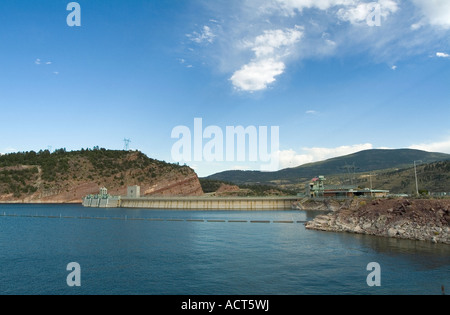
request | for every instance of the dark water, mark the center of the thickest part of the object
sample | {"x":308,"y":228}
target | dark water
{"x":172,"y":255}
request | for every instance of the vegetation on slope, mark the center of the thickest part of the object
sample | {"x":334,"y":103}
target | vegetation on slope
{"x":364,"y":161}
{"x":389,"y":169}
{"x":433,"y":177}
{"x":25,"y":173}
{"x":212,"y":186}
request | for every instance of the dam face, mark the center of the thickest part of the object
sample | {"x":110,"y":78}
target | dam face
{"x":134,"y":200}
{"x":191,"y":203}
{"x":247,"y":204}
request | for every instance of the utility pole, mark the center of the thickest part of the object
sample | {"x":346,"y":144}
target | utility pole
{"x":415,"y":172}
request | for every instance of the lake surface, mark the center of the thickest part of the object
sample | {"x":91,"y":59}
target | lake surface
{"x":124,"y":251}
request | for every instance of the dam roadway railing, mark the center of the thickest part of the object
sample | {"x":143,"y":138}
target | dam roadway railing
{"x":210,"y":203}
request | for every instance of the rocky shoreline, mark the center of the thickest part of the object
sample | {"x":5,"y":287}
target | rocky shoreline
{"x":424,"y":220}
{"x":325,"y":204}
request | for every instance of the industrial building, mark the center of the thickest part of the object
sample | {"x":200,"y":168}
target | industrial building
{"x":318,"y":189}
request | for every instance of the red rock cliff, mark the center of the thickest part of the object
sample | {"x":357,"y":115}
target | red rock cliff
{"x":66,"y":177}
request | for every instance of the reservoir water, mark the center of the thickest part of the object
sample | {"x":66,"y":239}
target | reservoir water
{"x":124,"y":251}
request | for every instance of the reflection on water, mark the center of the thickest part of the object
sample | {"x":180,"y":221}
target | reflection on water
{"x":426,"y":254}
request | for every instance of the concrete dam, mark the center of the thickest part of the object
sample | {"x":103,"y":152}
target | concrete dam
{"x":209,"y":203}
{"x":133,"y":200}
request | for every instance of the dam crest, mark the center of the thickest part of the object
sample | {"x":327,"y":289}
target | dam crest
{"x":135,"y":201}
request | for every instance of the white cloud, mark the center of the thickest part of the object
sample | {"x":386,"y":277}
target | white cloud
{"x":257,"y":75}
{"x":359,"y":12}
{"x":275,"y":47}
{"x":353,"y":11}
{"x":311,"y":112}
{"x":289,"y":7}
{"x":39,"y":62}
{"x":443,"y":146}
{"x":206,"y":36}
{"x":442,"y":55}
{"x":394,"y":67}
{"x":271,"y":42}
{"x":256,"y":37}
{"x":416,"y":26}
{"x":435,"y":12}
{"x":183,"y":62}
{"x":290,"y":158}
{"x":271,"y":49}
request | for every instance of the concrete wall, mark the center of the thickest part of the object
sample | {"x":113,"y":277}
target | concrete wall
{"x":95,"y":202}
{"x":248,"y":204}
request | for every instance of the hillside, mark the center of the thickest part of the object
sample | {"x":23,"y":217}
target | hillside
{"x":433,"y":177}
{"x":224,"y":189}
{"x":361,"y":162}
{"x":65,"y":177}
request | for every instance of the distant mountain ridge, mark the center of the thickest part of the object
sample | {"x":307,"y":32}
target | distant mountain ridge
{"x":364,"y":161}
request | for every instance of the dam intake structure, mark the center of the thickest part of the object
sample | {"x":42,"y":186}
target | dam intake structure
{"x":134,"y":200}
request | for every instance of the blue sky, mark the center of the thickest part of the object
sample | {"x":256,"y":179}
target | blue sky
{"x":137,"y":69}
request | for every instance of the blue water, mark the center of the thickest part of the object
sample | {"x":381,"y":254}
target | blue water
{"x":121,"y":255}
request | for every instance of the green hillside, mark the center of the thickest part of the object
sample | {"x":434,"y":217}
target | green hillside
{"x":433,"y":177}
{"x":361,"y":162}
{"x":36,"y":175}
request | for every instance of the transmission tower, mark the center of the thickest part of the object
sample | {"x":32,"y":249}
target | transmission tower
{"x":126,"y":143}
{"x":351,"y":169}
